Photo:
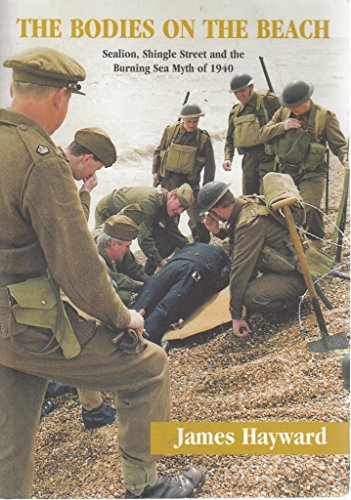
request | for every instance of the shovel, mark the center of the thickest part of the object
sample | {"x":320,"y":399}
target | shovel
{"x":326,"y":342}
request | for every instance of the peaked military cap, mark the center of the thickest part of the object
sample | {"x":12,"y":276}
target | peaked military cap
{"x":185,"y":195}
{"x":99,"y":143}
{"x":125,"y":226}
{"x":47,"y":67}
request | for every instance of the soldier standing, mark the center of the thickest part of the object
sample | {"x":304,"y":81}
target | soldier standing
{"x":42,"y":337}
{"x":298,"y":134}
{"x":245,"y":120}
{"x":90,"y":150}
{"x":183,"y":153}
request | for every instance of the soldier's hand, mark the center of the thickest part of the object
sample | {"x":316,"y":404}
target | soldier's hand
{"x":291,"y":123}
{"x":346,"y":163}
{"x":227,"y":165}
{"x":240,"y":328}
{"x":136,"y":321}
{"x":155,"y":179}
{"x":211,"y":223}
{"x":89,"y":183}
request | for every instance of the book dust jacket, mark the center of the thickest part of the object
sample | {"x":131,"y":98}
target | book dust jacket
{"x":263,"y":415}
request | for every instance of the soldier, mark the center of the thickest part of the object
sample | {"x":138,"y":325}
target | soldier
{"x":42,"y":337}
{"x":113,"y":242}
{"x":159,"y":235}
{"x":299,"y":132}
{"x":183,"y":153}
{"x":245,"y":120}
{"x":90,"y":150}
{"x":252,"y":231}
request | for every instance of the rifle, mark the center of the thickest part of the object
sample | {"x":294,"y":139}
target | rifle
{"x":185,"y":101}
{"x":268,"y":80}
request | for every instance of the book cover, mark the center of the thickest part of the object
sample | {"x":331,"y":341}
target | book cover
{"x":141,"y":59}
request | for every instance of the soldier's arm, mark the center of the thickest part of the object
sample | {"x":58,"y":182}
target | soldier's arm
{"x":85,"y":199}
{"x":174,"y":233}
{"x":229,"y":142}
{"x":274,"y":128}
{"x":102,"y":210}
{"x":133,"y":268}
{"x":67,"y":244}
{"x":248,"y":243}
{"x":210,"y":166}
{"x":156,"y":159}
{"x":145,"y":235}
{"x":335,"y":138}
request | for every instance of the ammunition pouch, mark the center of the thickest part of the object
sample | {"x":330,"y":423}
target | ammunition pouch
{"x":179,"y":159}
{"x":272,"y":260}
{"x":246,"y":131}
{"x":293,"y":146}
{"x":315,"y":157}
{"x":36,"y":302}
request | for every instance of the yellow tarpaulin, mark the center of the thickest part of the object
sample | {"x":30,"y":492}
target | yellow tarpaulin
{"x":212,"y":313}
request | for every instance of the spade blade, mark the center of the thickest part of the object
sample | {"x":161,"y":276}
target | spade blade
{"x":329,"y":343}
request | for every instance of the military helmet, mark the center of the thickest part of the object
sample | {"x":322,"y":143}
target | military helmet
{"x":209,"y":194}
{"x":295,"y":93}
{"x":240,"y":81}
{"x":191,"y":111}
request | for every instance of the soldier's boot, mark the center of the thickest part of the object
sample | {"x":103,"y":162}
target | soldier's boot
{"x":57,"y":389}
{"x":46,"y":408}
{"x":184,"y":485}
{"x":285,"y":314}
{"x":98,"y":417}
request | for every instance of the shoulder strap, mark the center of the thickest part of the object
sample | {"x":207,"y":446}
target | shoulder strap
{"x":261,"y":104}
{"x":171,"y":133}
{"x":285,"y":113}
{"x":320,"y":121}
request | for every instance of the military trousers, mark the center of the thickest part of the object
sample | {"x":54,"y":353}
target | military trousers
{"x":254,"y":169}
{"x":135,"y":370}
{"x":312,"y":188}
{"x":272,"y":291}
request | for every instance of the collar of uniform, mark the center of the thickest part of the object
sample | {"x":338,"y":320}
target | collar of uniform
{"x":183,"y":132}
{"x":305,"y":116}
{"x":252,"y":102}
{"x":238,"y":204}
{"x":14,"y":117}
{"x":110,"y":263}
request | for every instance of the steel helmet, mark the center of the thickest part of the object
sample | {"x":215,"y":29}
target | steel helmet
{"x":240,"y":81}
{"x":191,"y":111}
{"x":210,"y":194}
{"x":295,"y":93}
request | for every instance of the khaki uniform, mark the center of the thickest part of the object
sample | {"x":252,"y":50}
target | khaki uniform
{"x":198,"y":158}
{"x":310,"y":179}
{"x":158,"y":235}
{"x":255,"y":163}
{"x":127,"y":275}
{"x":42,"y":227}
{"x":250,"y":230}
